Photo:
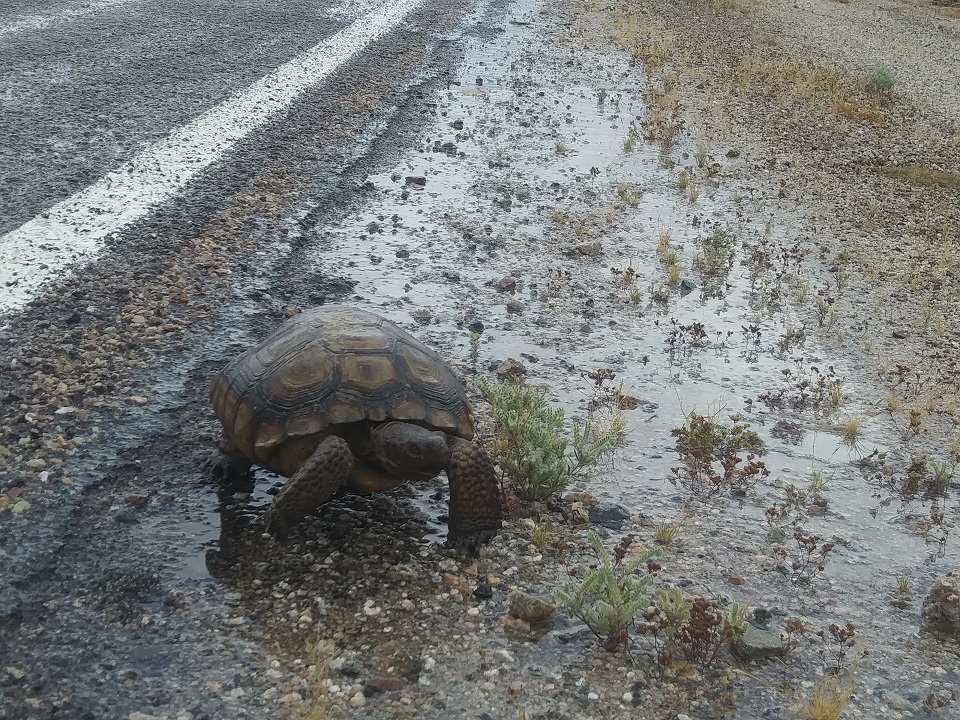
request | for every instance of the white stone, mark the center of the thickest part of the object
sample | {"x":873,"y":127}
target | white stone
{"x":358,"y":700}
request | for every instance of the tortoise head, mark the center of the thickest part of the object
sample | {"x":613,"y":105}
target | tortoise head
{"x":411,"y":451}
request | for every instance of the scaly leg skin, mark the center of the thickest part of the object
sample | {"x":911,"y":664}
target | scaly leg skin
{"x":475,"y":510}
{"x":321,"y":476}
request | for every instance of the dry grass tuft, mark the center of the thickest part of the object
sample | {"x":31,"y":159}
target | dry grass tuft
{"x":922,"y":176}
{"x":316,"y":701}
{"x":830,"y":697}
{"x":859,"y":113}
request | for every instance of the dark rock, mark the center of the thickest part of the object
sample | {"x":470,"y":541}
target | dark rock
{"x":607,"y":514}
{"x":382,"y":685}
{"x":757,"y":644}
{"x":514,"y":307}
{"x":590,"y":249}
{"x":476,"y":327}
{"x":403,"y":253}
{"x":127,"y":516}
{"x":451,"y":276}
{"x":733,"y":153}
{"x":687,"y":286}
{"x":900,"y":334}
{"x":574,"y":634}
{"x":511,"y":369}
{"x":941,"y":608}
{"x":506,"y":284}
{"x":530,"y":608}
{"x":484,"y":590}
{"x":762,"y":615}
{"x":416,"y":182}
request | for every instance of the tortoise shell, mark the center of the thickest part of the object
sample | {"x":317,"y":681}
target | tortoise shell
{"x":328,"y":367}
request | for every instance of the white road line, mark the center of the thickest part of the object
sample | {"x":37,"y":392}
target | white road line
{"x":40,"y":22}
{"x":74,"y":229}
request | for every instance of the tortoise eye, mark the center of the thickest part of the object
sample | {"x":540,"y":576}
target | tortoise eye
{"x":415,"y":450}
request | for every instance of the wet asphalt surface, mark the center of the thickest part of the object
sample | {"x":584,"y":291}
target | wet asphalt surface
{"x":79,"y":97}
{"x":81,"y":94}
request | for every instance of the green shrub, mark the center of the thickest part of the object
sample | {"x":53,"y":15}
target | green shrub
{"x":610,"y":595}
{"x":529,"y":442}
{"x":882,"y":79}
{"x":705,"y":442}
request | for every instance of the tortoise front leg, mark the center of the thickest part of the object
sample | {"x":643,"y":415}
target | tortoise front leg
{"x":227,"y":464}
{"x":321,"y":476}
{"x":475,"y":510}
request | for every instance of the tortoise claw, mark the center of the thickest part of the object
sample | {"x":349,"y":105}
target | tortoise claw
{"x":470,"y":544}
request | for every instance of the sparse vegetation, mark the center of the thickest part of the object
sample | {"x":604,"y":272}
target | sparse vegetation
{"x":831,"y":695}
{"x":535,"y":457}
{"x":687,"y":632}
{"x":666,"y":531}
{"x":629,"y":193}
{"x":705,"y":442}
{"x":922,"y":176}
{"x":610,"y":594}
{"x":316,"y":700}
{"x":882,"y":79}
{"x":716,"y":251}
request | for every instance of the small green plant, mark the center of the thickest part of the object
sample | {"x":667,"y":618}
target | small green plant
{"x":903,"y":584}
{"x":540,"y":535}
{"x":835,"y":388}
{"x":882,"y":79}
{"x":693,"y":631}
{"x":673,"y":273}
{"x":693,"y":192}
{"x":629,"y":193}
{"x":561,"y":147}
{"x":683,"y":180}
{"x":529,"y":444}
{"x":704,"y":442}
{"x":817,"y":483}
{"x":701,"y":153}
{"x":942,"y":474}
{"x":717,"y":251}
{"x":666,"y":531}
{"x":610,"y":594}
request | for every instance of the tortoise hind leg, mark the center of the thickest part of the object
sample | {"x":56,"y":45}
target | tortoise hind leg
{"x":475,"y":509}
{"x":321,"y":476}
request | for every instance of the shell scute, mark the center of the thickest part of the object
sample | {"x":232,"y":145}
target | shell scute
{"x":331,"y":366}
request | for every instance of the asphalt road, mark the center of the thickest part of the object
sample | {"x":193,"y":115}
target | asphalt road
{"x":113,"y":107}
{"x":86,"y":86}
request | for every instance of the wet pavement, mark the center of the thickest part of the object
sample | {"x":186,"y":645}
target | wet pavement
{"x":506,"y":190}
